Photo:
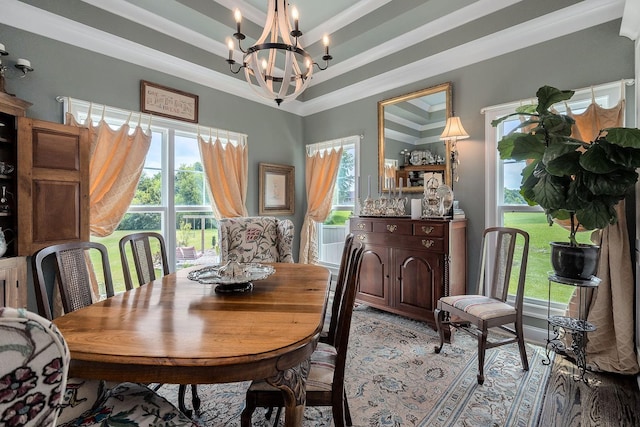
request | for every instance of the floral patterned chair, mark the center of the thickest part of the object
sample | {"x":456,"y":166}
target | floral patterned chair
{"x":34,"y":361}
{"x":256,"y":239}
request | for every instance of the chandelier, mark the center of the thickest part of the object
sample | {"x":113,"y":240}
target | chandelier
{"x":276,"y":67}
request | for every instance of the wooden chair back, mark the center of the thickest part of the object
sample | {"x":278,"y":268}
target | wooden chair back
{"x":506,"y":245}
{"x":140,"y":245}
{"x":74,"y":274}
{"x":345,"y":261}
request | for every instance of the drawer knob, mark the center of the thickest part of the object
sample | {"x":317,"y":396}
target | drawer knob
{"x":427,"y":243}
{"x":360,"y":226}
{"x":392,"y":227}
{"x":427,"y":230}
{"x":361,"y":236}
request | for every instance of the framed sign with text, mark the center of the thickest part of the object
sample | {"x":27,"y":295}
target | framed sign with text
{"x":167,"y":102}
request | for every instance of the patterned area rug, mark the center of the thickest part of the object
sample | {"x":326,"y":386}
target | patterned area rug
{"x":394,"y":378}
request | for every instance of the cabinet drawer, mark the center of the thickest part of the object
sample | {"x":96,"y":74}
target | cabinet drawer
{"x":429,"y":229}
{"x":393,"y":227}
{"x":429,"y":243}
{"x":361,"y":225}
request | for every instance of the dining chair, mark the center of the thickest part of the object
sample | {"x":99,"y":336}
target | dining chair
{"x":75,"y":277}
{"x":476,"y":314}
{"x":325,"y":382}
{"x":328,"y":335}
{"x":146,"y":249}
{"x":34,"y":362}
{"x":256,"y":239}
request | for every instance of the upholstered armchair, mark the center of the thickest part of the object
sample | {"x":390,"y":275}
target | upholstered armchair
{"x":34,"y":361}
{"x":256,"y":239}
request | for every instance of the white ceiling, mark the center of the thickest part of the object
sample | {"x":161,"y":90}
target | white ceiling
{"x":377,"y":45}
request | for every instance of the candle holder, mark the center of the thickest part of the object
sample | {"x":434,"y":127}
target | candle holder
{"x":21,"y":68}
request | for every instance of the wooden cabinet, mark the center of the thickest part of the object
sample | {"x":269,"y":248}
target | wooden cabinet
{"x":409,"y":264}
{"x":47,"y":190}
{"x":13,"y":282}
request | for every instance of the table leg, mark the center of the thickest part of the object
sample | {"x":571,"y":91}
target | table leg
{"x":293,"y":384}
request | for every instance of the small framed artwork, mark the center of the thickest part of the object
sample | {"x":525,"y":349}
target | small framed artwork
{"x":276,"y":189}
{"x":167,"y":102}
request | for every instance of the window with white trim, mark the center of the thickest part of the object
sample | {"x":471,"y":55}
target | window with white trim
{"x":332,"y":232}
{"x":173,"y":196}
{"x":506,"y":207}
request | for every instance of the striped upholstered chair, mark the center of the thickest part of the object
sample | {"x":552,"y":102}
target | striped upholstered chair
{"x":503,"y":249}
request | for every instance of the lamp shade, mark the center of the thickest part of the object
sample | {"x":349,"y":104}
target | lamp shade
{"x":454,"y":130}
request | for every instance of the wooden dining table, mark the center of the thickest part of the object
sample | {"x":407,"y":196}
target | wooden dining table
{"x":179,"y":331}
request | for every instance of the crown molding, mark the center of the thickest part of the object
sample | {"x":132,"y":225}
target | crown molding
{"x":630,"y":26}
{"x":574,"y":18}
{"x":438,"y":26}
{"x":580,"y":16}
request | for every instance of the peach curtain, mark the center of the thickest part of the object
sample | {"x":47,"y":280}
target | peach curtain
{"x":117,"y":160}
{"x":610,"y":307}
{"x":226,"y":168}
{"x":321,"y":171}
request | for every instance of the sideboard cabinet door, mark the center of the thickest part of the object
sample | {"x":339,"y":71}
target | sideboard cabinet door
{"x":53,"y":184}
{"x":374,"y":275}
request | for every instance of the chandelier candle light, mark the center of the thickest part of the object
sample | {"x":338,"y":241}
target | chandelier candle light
{"x":277,"y":66}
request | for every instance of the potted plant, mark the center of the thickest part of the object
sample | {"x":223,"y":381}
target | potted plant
{"x":574,"y":180}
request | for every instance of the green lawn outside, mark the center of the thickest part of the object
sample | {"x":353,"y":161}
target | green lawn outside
{"x":112,"y":241}
{"x":539,"y":263}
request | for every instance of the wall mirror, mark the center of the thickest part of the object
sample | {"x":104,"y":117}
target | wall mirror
{"x":409,"y":147}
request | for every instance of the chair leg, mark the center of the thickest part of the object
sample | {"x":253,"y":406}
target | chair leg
{"x":439,"y":316}
{"x":482,"y":347}
{"x":337,"y":409}
{"x":347,"y":412}
{"x":521,"y":346}
{"x":181,"y":392}
{"x":247,"y":412}
{"x":195,"y":399}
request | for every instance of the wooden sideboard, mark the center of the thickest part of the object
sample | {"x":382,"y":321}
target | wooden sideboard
{"x":409,"y":264}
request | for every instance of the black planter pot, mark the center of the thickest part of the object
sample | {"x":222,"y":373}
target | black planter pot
{"x":574,"y":262}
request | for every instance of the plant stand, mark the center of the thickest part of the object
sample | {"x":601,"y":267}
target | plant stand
{"x":577,"y":328}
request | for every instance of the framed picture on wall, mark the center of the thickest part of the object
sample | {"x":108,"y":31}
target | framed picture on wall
{"x":167,"y":102}
{"x":276,"y":189}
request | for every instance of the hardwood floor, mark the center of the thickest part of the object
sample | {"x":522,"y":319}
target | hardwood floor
{"x":604,"y":399}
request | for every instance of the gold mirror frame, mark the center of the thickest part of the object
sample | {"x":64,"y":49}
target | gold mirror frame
{"x":410,"y":101}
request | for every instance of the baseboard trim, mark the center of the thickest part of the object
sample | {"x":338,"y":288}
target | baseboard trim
{"x":535,"y":335}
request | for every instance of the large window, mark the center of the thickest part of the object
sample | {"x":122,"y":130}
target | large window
{"x":505,"y":206}
{"x":332,"y":232}
{"x":172,"y":196}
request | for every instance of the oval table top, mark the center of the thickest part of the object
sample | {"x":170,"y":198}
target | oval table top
{"x":176,"y":330}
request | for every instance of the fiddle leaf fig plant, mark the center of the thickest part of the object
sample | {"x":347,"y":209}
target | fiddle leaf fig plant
{"x":581,"y":181}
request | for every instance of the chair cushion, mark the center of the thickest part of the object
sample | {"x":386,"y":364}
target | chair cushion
{"x":323,"y":364}
{"x":479,"y":306}
{"x":132,"y":404}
